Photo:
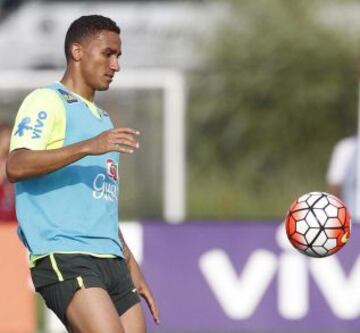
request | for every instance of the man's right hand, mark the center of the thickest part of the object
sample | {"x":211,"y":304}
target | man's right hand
{"x":123,"y":140}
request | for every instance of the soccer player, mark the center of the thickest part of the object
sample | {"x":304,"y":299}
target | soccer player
{"x":342,"y":173}
{"x":64,"y":156}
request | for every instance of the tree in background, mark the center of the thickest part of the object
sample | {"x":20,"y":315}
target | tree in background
{"x":276,"y":91}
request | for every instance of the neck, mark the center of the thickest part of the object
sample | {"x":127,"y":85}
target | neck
{"x":75,"y":83}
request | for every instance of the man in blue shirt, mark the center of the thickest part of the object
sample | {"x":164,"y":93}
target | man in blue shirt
{"x":64,"y":159}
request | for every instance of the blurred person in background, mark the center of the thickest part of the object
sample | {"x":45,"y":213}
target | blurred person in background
{"x":341,"y":173}
{"x":7,"y":193}
{"x":64,"y":159}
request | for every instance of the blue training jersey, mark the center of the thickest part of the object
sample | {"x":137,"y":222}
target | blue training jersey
{"x":73,"y":209}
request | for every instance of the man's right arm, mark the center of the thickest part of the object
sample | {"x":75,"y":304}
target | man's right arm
{"x":25,"y":163}
{"x":38,"y":151}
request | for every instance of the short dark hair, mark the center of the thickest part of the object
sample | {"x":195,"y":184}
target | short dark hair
{"x":86,"y":26}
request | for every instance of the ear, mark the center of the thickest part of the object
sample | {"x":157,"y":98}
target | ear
{"x":76,"y":51}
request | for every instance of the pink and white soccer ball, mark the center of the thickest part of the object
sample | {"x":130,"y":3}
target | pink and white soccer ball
{"x":318,"y":224}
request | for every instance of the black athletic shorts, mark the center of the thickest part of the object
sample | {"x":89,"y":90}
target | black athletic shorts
{"x":58,"y":276}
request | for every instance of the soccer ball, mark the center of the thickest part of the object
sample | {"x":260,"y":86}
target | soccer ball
{"x":318,"y":224}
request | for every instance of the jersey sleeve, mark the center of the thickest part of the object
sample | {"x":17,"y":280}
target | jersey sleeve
{"x":36,"y":119}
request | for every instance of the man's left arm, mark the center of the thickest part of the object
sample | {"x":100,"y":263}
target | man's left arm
{"x":139,"y":281}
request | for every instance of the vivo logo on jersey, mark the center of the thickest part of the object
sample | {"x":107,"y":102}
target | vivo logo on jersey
{"x":25,"y":125}
{"x":39,"y":124}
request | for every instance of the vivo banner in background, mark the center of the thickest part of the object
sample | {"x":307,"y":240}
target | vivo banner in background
{"x":236,"y":277}
{"x":245,"y":276}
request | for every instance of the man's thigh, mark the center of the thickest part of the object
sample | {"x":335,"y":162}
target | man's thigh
{"x":133,"y":320}
{"x":92,"y":311}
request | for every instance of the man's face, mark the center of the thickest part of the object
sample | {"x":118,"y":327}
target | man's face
{"x":100,"y":59}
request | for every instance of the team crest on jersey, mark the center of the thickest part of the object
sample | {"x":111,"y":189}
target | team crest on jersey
{"x":68,"y":97}
{"x":112,"y":169}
